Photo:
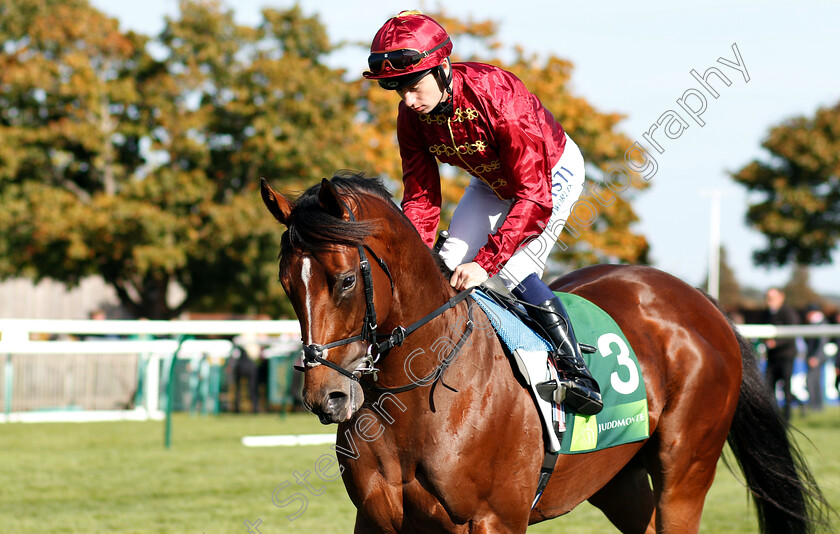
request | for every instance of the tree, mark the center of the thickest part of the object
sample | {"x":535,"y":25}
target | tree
{"x":144,"y":169}
{"x":797,"y":190}
{"x":798,"y":291}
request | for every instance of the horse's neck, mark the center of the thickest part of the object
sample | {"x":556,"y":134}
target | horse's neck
{"x":419,"y":286}
{"x":418,"y":291}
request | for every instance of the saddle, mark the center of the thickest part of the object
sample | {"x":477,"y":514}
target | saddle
{"x":611,"y":361}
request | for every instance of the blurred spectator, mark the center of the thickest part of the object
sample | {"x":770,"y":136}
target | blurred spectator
{"x":815,"y":358}
{"x":250,"y":366}
{"x":99,"y":315}
{"x":781,"y":352}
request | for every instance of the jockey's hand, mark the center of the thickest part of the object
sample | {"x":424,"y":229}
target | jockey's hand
{"x":467,"y":275}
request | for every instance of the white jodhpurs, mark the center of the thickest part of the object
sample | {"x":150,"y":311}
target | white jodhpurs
{"x":480,"y":213}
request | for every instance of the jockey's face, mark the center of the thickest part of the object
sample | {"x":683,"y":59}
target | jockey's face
{"x":423,"y":95}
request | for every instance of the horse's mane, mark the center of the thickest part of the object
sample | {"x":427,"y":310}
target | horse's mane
{"x":311,"y":227}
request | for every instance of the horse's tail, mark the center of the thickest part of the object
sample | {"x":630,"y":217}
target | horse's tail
{"x":787,"y":497}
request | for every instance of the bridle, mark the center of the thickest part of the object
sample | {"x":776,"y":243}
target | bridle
{"x":313,"y":352}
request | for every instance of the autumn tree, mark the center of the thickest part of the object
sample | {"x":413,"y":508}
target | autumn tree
{"x":797,"y":190}
{"x":138,"y":159}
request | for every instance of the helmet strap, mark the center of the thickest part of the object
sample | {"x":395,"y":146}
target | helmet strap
{"x":445,"y":83}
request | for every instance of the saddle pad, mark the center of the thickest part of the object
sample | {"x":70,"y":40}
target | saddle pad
{"x":614,"y":366}
{"x":513,"y":332}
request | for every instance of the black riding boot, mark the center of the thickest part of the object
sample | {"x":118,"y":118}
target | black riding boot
{"x":581,"y":390}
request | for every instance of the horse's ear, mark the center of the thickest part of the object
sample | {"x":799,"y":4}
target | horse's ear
{"x":275,"y":202}
{"x":330,"y":201}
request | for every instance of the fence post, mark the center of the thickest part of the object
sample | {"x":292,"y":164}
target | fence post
{"x":140,"y":394}
{"x":170,"y":387}
{"x":20,"y":334}
{"x":152,"y":384}
{"x":8,"y":374}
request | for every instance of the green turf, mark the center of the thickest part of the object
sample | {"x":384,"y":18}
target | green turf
{"x":117,"y":477}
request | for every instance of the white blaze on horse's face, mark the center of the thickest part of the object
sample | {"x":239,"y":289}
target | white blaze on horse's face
{"x":327,"y":314}
{"x":306,"y":277}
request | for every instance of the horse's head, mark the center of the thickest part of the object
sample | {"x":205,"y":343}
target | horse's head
{"x":329,"y":268}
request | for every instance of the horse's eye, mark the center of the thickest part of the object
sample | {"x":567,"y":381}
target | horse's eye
{"x":348,"y":282}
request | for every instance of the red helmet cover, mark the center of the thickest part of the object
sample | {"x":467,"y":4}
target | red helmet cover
{"x":412,"y":30}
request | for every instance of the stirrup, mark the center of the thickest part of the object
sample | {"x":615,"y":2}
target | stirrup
{"x":577,"y":398}
{"x":550,"y":392}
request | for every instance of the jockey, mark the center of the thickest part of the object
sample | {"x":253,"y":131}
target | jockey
{"x":526,"y":173}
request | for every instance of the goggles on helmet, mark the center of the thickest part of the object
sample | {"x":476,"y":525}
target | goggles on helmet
{"x":400,"y":59}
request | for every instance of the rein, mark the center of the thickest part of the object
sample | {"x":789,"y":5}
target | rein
{"x":437,"y":372}
{"x":313,"y":353}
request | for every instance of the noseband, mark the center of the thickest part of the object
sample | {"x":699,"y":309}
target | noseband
{"x":313,"y":353}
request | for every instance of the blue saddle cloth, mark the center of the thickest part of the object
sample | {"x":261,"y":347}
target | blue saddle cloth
{"x":513,"y":332}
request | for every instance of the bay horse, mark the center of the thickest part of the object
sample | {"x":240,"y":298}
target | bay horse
{"x":460,"y":448}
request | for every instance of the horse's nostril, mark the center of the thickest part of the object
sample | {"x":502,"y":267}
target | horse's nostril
{"x":336,"y":401}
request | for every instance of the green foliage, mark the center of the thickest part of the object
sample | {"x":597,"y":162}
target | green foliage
{"x":139,"y":159}
{"x":797,"y":190}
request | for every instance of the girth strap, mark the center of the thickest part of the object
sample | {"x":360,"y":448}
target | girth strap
{"x":545,"y":474}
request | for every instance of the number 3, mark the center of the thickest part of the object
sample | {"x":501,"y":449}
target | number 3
{"x":623,"y":358}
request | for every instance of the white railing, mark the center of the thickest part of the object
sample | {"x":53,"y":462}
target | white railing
{"x":23,"y":329}
{"x":768,"y":331}
{"x":30,"y":337}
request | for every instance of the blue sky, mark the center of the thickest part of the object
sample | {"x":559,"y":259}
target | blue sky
{"x":635,"y":59}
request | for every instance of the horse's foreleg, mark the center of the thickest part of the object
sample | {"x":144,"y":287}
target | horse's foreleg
{"x":379,"y":510}
{"x":365,"y":525}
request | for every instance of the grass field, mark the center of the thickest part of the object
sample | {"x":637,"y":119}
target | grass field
{"x":118,"y":477}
